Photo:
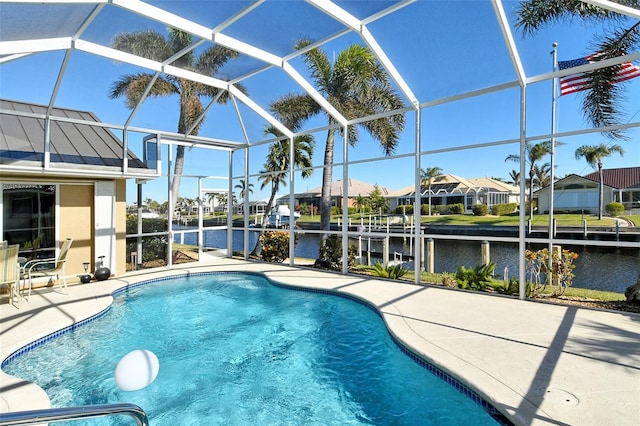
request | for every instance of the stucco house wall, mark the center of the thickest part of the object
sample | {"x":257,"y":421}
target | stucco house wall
{"x":574,"y":193}
{"x":76,"y":219}
{"x":89,"y":169}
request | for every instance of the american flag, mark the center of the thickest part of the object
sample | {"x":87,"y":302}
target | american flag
{"x":577,"y":82}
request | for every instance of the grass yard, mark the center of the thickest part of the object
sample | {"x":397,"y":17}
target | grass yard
{"x":511,"y":220}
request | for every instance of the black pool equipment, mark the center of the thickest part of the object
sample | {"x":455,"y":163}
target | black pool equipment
{"x":86,"y":277}
{"x":102,"y":272}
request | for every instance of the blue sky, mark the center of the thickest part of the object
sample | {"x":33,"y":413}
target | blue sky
{"x":440,"y":48}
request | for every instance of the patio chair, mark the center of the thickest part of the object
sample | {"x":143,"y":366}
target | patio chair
{"x":53,"y":267}
{"x":10,"y":271}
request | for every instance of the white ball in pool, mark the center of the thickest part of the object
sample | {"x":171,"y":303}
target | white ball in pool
{"x":137,"y":370}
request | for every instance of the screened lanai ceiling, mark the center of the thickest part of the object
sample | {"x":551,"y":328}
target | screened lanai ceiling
{"x":61,"y":54}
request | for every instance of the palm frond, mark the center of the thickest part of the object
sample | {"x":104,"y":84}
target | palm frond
{"x":318,"y":63}
{"x":512,"y":157}
{"x":594,"y":154}
{"x":386,"y":132}
{"x":179,"y":40}
{"x":603,"y":100}
{"x":214,"y":58}
{"x":148,"y":44}
{"x":191,"y":109}
{"x":293,"y":109}
{"x":533,"y":15}
{"x":602,"y":103}
{"x":133,"y":86}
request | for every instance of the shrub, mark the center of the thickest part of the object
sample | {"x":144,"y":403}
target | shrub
{"x":308,"y":209}
{"x":476,"y":278}
{"x":480,"y":210}
{"x":503,"y":209}
{"x":336,"y":211}
{"x":440,"y":209}
{"x":448,"y":280}
{"x":391,"y":271}
{"x":408,"y":210}
{"x":275,"y":246}
{"x":457,"y":208}
{"x":559,"y":276}
{"x":511,"y":287}
{"x":153,"y":248}
{"x":331,"y":254}
{"x":614,"y":208}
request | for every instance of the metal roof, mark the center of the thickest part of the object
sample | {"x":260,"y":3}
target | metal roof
{"x":22,"y":140}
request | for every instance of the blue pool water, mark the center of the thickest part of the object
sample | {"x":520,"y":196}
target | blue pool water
{"x":236,"y":350}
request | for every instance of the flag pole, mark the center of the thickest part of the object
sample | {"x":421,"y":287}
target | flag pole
{"x":554,"y":54}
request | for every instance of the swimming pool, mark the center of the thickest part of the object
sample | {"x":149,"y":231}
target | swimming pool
{"x":234,"y":349}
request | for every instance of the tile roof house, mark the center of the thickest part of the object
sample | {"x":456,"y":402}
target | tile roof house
{"x":451,"y":189}
{"x":580,"y":193}
{"x":62,"y":177}
{"x":354,"y":189}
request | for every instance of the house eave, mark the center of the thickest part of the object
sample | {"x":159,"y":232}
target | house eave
{"x":75,"y":170}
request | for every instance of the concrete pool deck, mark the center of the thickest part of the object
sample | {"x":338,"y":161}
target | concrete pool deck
{"x":537,"y":363}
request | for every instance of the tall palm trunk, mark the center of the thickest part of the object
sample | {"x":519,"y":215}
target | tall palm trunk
{"x":327,"y":177}
{"x":600,"y":191}
{"x":531,"y":175}
{"x":187,"y":95}
{"x":177,"y":176}
{"x":265,"y":219}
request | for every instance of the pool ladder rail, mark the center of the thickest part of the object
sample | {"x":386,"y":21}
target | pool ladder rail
{"x":49,"y":415}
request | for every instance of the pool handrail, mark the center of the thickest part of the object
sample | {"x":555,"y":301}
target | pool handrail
{"x":49,"y":415}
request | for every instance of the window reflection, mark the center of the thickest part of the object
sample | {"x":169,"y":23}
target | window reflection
{"x":29,"y":218}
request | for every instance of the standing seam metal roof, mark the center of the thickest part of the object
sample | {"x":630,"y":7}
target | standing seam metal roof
{"x":22,"y":138}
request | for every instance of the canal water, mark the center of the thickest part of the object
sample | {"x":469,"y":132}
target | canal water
{"x":597,"y":268}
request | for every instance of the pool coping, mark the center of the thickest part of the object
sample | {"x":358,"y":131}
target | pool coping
{"x":535,"y":363}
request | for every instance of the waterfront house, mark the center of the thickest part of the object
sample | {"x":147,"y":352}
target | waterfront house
{"x":580,"y":193}
{"x":64,"y":178}
{"x":450,"y":189}
{"x":354,"y":188}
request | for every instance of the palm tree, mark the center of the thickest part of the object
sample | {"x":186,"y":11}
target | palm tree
{"x":361,"y":203}
{"x":244,"y":189}
{"x":594,"y":154}
{"x":601,"y":101}
{"x":276,"y":166}
{"x":427,"y":177}
{"x":515,"y":177}
{"x":534,"y":154}
{"x":541,"y":175}
{"x":151,"y":44}
{"x":223,"y":199}
{"x":357,"y":86}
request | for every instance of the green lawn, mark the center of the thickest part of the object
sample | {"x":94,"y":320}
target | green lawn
{"x":538,"y":220}
{"x":436,"y":278}
{"x":633,"y":218}
{"x":459,"y":219}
